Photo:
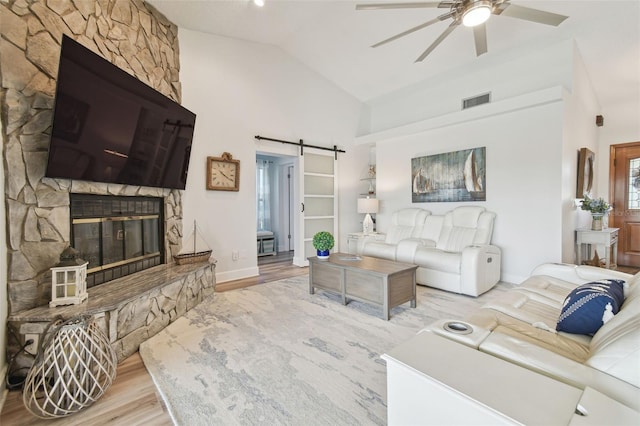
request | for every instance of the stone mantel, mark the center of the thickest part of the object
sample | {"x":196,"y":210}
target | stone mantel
{"x":130,"y":309}
{"x":114,"y":294}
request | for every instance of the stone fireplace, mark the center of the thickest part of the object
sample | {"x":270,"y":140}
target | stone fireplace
{"x":57,"y":222}
{"x":40,"y":211}
{"x":118,"y":236}
{"x":130,"y":34}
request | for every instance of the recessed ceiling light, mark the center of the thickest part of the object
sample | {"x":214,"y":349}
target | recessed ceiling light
{"x":258,"y":3}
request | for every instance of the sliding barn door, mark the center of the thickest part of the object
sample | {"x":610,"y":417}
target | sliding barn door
{"x":318,"y":206}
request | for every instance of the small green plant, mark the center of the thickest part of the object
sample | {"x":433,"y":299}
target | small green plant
{"x":594,"y":206}
{"x":323,"y":240}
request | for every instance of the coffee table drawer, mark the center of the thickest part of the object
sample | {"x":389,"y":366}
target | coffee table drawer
{"x":326,"y":276}
{"x":364,"y":286}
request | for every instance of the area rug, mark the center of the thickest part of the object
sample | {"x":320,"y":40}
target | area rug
{"x":274,"y":354}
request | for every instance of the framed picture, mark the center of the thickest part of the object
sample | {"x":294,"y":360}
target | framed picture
{"x":586,"y":159}
{"x":223,"y":173}
{"x":452,"y":176}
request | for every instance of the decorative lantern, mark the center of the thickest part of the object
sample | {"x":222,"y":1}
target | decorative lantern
{"x":75,"y":368}
{"x":69,"y":279}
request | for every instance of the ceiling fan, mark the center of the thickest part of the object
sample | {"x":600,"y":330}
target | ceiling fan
{"x":470,"y":13}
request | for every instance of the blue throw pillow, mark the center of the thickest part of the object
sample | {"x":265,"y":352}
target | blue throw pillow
{"x":591,"y":305}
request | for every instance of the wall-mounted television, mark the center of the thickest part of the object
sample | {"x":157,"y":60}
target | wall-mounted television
{"x":110,"y":127}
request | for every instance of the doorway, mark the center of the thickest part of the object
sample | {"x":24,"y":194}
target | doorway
{"x":275,"y":204}
{"x":624,"y":182}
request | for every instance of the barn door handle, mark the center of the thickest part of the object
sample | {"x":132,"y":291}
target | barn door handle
{"x":302,"y":211}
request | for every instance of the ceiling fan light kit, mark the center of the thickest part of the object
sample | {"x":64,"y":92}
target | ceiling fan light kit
{"x":478,"y":12}
{"x":470,"y":13}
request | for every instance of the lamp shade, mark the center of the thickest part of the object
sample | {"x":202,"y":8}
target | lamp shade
{"x":367,"y":205}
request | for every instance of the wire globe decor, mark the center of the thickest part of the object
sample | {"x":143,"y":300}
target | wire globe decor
{"x":74,"y":369}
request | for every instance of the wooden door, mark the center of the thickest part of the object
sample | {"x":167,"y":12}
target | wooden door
{"x":625,"y":186}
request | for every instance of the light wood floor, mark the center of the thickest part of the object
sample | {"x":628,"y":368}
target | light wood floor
{"x":133,"y":399}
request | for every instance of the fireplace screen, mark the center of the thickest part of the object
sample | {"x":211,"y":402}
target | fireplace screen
{"x":116,"y":235}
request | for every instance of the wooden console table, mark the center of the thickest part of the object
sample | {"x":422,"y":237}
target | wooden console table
{"x":357,"y":240}
{"x":607,"y":237}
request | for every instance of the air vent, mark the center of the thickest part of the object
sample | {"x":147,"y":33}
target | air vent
{"x":476,"y":100}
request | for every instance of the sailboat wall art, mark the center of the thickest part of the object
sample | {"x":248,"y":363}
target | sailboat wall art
{"x":451,"y":176}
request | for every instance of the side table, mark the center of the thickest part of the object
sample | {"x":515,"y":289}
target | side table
{"x":607,"y":237}
{"x":356,"y":240}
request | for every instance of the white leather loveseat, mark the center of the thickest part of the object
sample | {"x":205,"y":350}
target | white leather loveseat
{"x":453,"y":251}
{"x":598,"y":376}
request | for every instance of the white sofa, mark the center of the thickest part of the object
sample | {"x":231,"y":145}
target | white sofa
{"x":517,"y":332}
{"x":453,"y":251}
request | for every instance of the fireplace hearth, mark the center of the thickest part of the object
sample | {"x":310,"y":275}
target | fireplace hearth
{"x":117,"y":235}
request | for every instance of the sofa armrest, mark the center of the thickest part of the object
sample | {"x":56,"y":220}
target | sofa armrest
{"x":460,"y":331}
{"x":578,"y":274}
{"x":479,"y":268}
{"x":536,"y":358}
{"x":380,"y":250}
{"x":406,"y":249}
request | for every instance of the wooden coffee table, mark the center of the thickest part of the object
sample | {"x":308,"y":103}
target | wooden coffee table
{"x":368,"y":279}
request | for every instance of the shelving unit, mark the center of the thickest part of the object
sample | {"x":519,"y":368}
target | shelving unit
{"x":372,"y":186}
{"x":319,"y":208}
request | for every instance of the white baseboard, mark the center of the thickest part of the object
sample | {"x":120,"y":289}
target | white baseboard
{"x":238,"y":274}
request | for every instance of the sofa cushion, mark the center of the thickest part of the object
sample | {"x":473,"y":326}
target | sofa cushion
{"x":465,"y":226}
{"x":547,"y":286}
{"x":615,"y":348}
{"x":432,"y":228}
{"x":405,"y":223}
{"x":433,"y":258}
{"x":591,"y":305}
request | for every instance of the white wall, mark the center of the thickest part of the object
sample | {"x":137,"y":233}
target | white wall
{"x":443,"y":95}
{"x":523,"y":171}
{"x":238,"y":90}
{"x":580,"y":131}
{"x":542,"y":112}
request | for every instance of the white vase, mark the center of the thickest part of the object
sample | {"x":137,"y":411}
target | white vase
{"x":596,"y":221}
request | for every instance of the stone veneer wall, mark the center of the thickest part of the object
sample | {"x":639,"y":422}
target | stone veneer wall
{"x":133,"y":310}
{"x":130,"y":34}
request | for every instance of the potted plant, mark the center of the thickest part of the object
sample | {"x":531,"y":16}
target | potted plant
{"x":323,"y":242}
{"x":598,"y":208}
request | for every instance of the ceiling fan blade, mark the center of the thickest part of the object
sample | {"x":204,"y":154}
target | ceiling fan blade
{"x":480,"y":38}
{"x":435,"y":44}
{"x":411,"y":30}
{"x":528,"y":14}
{"x":376,"y":6}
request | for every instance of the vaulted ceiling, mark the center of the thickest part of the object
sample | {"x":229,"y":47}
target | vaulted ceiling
{"x":335,"y":39}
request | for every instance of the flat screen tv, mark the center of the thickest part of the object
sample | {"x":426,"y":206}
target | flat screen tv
{"x":110,"y":127}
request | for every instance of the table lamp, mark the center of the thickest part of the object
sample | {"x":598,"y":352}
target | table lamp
{"x":368,"y":206}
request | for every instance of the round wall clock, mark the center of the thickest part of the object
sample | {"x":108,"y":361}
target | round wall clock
{"x":223,"y":173}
